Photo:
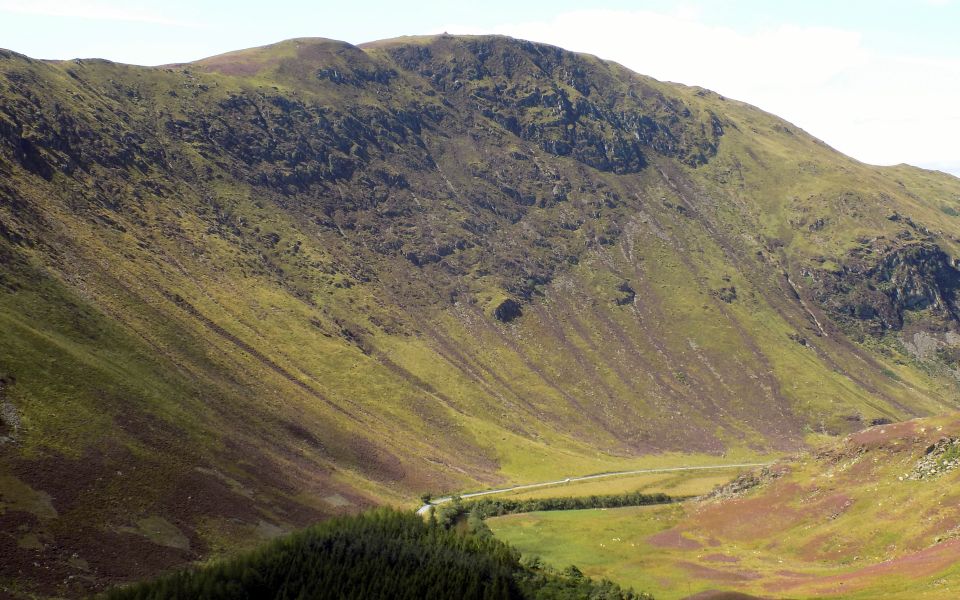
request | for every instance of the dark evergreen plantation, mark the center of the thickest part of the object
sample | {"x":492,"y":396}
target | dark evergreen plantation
{"x":381,"y":554}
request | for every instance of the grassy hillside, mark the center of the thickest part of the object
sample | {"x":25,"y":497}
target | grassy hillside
{"x":246,"y":293}
{"x":873,"y":516}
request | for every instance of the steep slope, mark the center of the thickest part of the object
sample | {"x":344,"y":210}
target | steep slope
{"x":242,"y":294}
{"x":873,"y":516}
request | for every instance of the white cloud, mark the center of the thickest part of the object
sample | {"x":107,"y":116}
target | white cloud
{"x":89,"y":9}
{"x":879,"y":109}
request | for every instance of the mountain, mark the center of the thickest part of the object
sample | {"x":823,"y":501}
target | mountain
{"x":246,"y":293}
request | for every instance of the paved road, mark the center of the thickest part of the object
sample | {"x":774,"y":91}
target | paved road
{"x":426,"y":507}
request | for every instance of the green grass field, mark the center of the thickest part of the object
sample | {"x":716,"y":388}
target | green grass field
{"x":611,"y":542}
{"x":847,"y":522}
{"x":602,"y":543}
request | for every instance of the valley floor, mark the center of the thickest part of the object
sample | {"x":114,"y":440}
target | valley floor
{"x":874,"y":516}
{"x":634,"y":547}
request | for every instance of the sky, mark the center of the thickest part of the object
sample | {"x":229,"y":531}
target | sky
{"x":878,"y":80}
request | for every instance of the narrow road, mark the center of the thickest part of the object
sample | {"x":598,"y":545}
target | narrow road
{"x":426,"y":507}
